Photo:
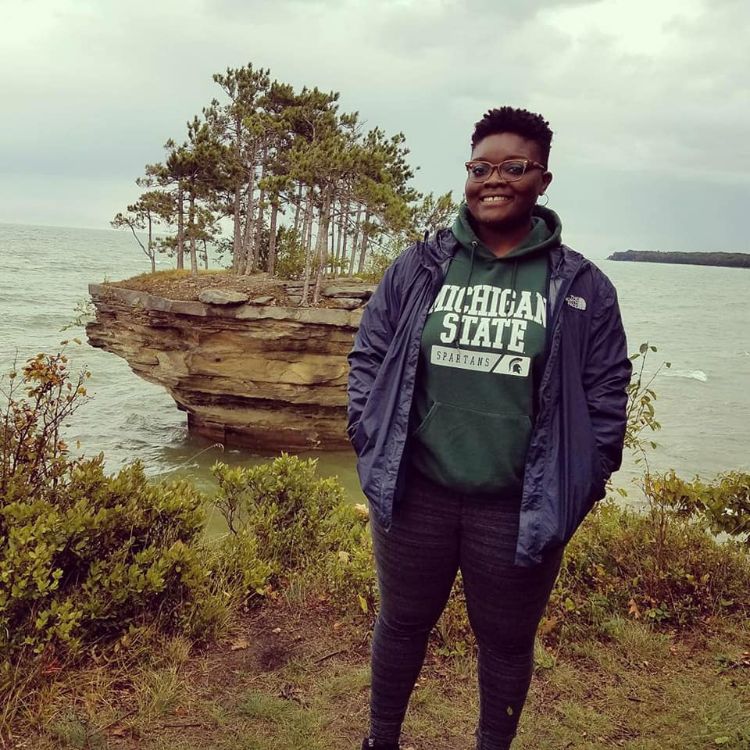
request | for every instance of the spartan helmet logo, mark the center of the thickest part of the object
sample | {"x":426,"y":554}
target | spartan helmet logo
{"x":516,"y":365}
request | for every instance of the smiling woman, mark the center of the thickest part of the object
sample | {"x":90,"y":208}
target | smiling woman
{"x":487,"y":409}
{"x":505,"y":178}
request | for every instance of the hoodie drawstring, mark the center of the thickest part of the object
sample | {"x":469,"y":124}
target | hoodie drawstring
{"x":463,"y":300}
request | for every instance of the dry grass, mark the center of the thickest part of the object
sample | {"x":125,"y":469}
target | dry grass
{"x":182,"y":285}
{"x":289,"y":678}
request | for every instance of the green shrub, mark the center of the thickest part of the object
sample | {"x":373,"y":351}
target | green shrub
{"x":240,"y":570}
{"x":346,"y":571}
{"x":283,"y":505}
{"x":660,"y":570}
{"x":722,"y":505}
{"x":453,"y":634}
{"x":290,"y":255}
{"x":656,"y":566}
{"x":641,"y":413}
{"x":653,"y":566}
{"x":101,"y":554}
{"x":301,"y":528}
{"x":83,"y":556}
{"x":377,"y":264}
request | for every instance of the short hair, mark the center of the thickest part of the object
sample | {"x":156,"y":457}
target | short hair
{"x":519,"y":121}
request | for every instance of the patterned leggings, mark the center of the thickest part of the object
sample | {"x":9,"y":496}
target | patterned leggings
{"x":435,"y":532}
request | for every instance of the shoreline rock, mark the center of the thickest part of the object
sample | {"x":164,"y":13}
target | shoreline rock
{"x":247,"y":374}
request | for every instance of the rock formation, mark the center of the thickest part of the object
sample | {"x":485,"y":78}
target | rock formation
{"x":246,"y":373}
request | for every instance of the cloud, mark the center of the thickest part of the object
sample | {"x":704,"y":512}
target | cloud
{"x":670,"y":111}
{"x":641,"y":95}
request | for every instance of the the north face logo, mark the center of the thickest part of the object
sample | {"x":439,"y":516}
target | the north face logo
{"x":579,"y":303}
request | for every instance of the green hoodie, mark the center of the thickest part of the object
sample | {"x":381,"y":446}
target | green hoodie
{"x":482,"y":352}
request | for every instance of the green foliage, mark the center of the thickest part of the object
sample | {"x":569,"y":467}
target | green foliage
{"x":641,"y":414}
{"x":655,"y":566}
{"x":283,"y":505}
{"x":346,"y":571}
{"x":453,"y":633}
{"x":290,"y":255}
{"x":299,"y":528}
{"x":84,"y":556}
{"x":622,"y":564}
{"x":430,"y":214}
{"x":33,"y":455}
{"x":101,"y":553}
{"x":88,"y":559}
{"x":238,"y":574}
{"x":377,"y":265}
{"x":264,"y":144}
{"x":723,"y":505}
{"x":84,"y":311}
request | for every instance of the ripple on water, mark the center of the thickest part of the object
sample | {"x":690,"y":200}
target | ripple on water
{"x":689,"y":374}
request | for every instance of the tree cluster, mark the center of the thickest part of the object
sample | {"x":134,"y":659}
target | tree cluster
{"x":729,"y":260}
{"x":287,"y":174}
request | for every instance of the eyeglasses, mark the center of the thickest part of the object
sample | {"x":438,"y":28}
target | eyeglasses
{"x":509,"y":170}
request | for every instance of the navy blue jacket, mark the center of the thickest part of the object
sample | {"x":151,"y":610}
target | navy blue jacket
{"x":579,"y":429}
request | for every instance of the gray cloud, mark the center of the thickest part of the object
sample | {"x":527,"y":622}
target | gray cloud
{"x":650,"y":119}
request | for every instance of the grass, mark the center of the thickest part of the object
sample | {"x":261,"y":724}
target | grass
{"x":174,"y":273}
{"x":184,"y":285}
{"x":289,"y":678}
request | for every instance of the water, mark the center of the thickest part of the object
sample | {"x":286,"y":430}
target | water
{"x":698,"y":317}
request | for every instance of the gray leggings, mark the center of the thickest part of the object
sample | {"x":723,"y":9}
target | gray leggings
{"x":435,"y":532}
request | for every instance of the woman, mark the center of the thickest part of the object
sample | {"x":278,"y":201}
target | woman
{"x":487,"y":398}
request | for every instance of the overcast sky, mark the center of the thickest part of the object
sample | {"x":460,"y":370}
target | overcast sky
{"x":649,"y":99}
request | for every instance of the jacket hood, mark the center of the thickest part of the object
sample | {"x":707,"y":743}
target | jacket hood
{"x":546,"y":230}
{"x":437,"y":251}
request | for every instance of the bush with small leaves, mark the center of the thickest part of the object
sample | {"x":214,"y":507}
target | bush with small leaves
{"x":659,"y":568}
{"x":84,"y":555}
{"x":346,"y":568}
{"x":283,"y":505}
{"x":300,"y":527}
{"x":104,"y":552}
{"x":723,"y":504}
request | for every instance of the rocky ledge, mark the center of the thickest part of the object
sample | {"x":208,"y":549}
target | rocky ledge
{"x":246,"y":372}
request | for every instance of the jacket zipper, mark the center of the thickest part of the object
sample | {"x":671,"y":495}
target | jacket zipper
{"x":554,"y":325}
{"x":542,"y":416}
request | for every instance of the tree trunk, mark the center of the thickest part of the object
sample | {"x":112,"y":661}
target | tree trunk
{"x":180,"y":228}
{"x":191,"y":226}
{"x":337,"y":259}
{"x":321,"y":250}
{"x":237,"y":245}
{"x":332,"y":247}
{"x":272,"y":238}
{"x":297,"y":207}
{"x":237,"y":256}
{"x":307,"y":230}
{"x":363,"y":244}
{"x":259,"y":220}
{"x":344,"y":233}
{"x":307,"y":221}
{"x":151,"y":251}
{"x":247,"y":249}
{"x":355,"y":240}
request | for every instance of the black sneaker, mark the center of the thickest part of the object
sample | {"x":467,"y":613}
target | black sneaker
{"x":370,"y":744}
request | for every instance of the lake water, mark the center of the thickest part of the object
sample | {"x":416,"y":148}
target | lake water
{"x":697,"y":317}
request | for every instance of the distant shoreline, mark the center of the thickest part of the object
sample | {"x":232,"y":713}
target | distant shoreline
{"x":726,"y":260}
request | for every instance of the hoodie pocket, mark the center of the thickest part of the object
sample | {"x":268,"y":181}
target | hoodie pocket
{"x":472,"y":451}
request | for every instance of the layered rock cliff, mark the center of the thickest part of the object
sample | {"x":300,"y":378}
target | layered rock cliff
{"x":246,"y":372}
